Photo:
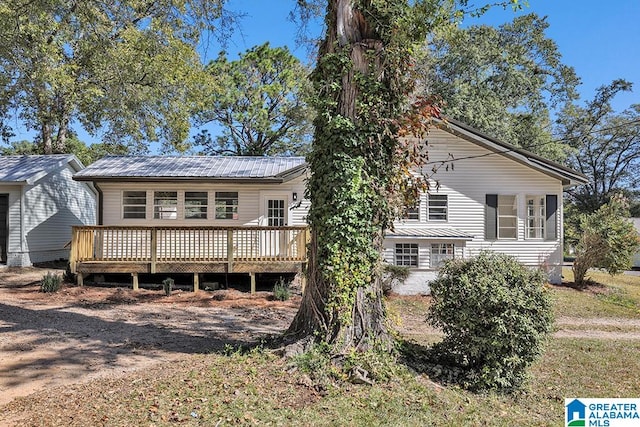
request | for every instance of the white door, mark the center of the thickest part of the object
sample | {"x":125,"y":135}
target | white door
{"x":275,"y":242}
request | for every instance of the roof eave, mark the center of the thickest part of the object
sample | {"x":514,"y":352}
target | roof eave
{"x":265,"y":180}
{"x":567,"y":176}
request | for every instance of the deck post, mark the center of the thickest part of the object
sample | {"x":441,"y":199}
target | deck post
{"x":135,"y":281}
{"x":253,"y":283}
{"x":154,"y":250}
{"x":303,"y":281}
{"x":196,"y":282}
{"x":80,"y":279}
{"x":230,"y":251}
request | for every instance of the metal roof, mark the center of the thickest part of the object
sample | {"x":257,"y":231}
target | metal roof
{"x":429,"y":233}
{"x":192,"y":167}
{"x":29,"y":168}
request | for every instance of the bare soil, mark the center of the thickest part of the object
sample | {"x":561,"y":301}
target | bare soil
{"x":81,"y":333}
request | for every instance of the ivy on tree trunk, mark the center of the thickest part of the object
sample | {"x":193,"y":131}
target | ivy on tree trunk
{"x":361,"y":82}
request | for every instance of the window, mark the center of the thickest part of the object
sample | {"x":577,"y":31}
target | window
{"x":226,"y":205}
{"x":536,"y":216}
{"x":275,"y":213}
{"x":134,"y":204}
{"x":507,"y":217}
{"x":412,"y":213}
{"x":440,"y":252}
{"x":165,"y":205}
{"x":437,"y":209}
{"x":195,"y":204}
{"x":407,"y":254}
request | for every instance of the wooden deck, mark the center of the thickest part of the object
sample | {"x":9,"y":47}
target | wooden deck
{"x":146,"y":249}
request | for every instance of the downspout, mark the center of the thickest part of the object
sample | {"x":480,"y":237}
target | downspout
{"x":22,"y":226}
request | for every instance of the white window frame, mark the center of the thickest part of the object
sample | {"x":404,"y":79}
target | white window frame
{"x":406,"y":255}
{"x":165,"y":205}
{"x":435,"y":208}
{"x":535,"y":225}
{"x":231,"y":210}
{"x":127,"y":194}
{"x":504,"y":218}
{"x":441,"y":252}
{"x":191,"y":203}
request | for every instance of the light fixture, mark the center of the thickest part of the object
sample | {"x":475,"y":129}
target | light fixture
{"x":295,"y":196}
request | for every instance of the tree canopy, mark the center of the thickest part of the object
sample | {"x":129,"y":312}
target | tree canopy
{"x":127,"y":70}
{"x":261,"y":102}
{"x":502,"y":80}
{"x":605,"y":147}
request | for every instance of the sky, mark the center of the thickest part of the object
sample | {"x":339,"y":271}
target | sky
{"x":600,"y":39}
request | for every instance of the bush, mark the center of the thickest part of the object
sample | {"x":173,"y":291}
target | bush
{"x":495,"y":314}
{"x":50,"y":282}
{"x":281,"y":291}
{"x":393,"y":275}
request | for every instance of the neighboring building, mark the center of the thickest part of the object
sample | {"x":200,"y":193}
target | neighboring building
{"x":636,"y":258}
{"x":485,"y":194}
{"x":39,"y":203}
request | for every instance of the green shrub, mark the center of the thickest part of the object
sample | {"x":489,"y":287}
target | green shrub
{"x":393,"y":275}
{"x":50,"y":282}
{"x":167,"y":285}
{"x":281,"y":291}
{"x":495,"y":314}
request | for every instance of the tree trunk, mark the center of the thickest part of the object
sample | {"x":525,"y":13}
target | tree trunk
{"x":350,"y":162}
{"x":45,"y":134}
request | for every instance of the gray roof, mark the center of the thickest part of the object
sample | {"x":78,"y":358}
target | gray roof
{"x":29,"y":168}
{"x":150,"y":168}
{"x":429,"y":233}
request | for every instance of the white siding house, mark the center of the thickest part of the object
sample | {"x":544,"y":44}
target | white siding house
{"x":635,"y":263}
{"x":39,"y":202}
{"x":199,"y":191}
{"x":484,"y":194}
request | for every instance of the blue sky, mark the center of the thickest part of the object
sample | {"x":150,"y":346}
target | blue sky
{"x":600,"y":39}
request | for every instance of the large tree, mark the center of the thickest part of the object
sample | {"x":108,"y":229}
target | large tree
{"x":127,"y":69}
{"x":261,"y":102}
{"x":363,"y":79}
{"x":606,"y":147}
{"x":502,"y":80}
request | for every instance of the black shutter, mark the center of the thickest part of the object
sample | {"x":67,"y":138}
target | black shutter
{"x":551,"y":225}
{"x":491,"y":217}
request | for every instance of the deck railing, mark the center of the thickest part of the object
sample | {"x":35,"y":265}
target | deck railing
{"x":187,"y":244}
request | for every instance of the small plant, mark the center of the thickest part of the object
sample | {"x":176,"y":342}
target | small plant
{"x":167,"y":285}
{"x":281,"y":291}
{"x":50,"y":282}
{"x":393,"y":275}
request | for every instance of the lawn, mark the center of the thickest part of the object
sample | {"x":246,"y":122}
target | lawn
{"x":258,"y":388}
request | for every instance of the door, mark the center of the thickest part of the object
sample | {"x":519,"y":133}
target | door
{"x":275,"y":240}
{"x":4,"y":211}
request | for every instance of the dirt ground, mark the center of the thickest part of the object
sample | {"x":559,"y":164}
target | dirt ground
{"x":81,"y":333}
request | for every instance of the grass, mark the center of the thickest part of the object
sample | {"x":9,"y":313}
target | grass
{"x":611,"y":296}
{"x":258,"y":388}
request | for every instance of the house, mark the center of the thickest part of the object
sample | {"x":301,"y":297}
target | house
{"x":636,"y":258}
{"x":199,"y":214}
{"x":247,"y":214}
{"x":39,"y":203}
{"x":484,"y":195}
